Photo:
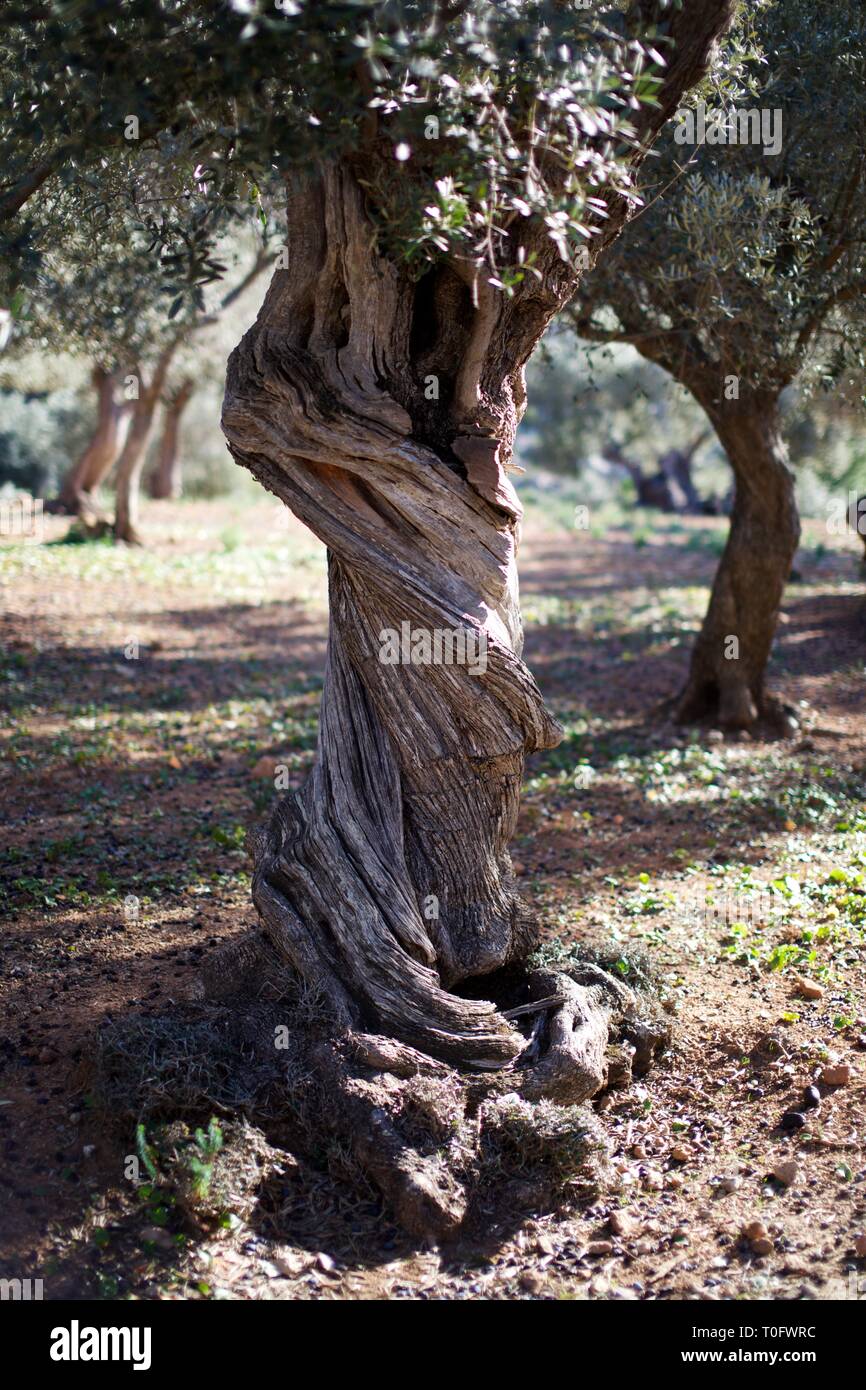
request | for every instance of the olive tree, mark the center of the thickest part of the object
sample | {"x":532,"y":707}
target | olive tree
{"x":101,"y":290}
{"x":745,"y":271}
{"x":451,"y":169}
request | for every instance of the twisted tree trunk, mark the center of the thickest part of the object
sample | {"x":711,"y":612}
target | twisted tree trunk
{"x":385,"y":883}
{"x":387,"y":879}
{"x":382,"y":408}
{"x":166,"y":481}
{"x":727,"y":675}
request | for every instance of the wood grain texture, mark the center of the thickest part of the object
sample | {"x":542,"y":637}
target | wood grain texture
{"x":414,"y":793}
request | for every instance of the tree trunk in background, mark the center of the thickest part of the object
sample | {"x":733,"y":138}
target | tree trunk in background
{"x":726,"y":679}
{"x":101,"y":451}
{"x":654,"y":489}
{"x":677,"y":465}
{"x":166,"y":480}
{"x":101,"y":466}
{"x":134,"y":451}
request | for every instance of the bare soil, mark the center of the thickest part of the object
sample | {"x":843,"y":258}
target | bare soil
{"x":147,"y":695}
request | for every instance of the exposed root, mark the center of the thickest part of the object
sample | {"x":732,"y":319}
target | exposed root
{"x":420,"y":1184}
{"x":436,"y":1140}
{"x":573,"y":1065}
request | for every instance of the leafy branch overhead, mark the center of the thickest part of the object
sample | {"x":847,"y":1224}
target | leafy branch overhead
{"x":747,"y":262}
{"x":460,"y":119}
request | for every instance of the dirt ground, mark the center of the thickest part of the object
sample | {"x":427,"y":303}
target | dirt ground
{"x":146,"y":697}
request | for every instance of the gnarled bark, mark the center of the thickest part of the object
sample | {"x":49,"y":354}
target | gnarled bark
{"x":385,"y":881}
{"x":166,"y":480}
{"x":727,"y":675}
{"x":382,"y":409}
{"x":415,"y":791}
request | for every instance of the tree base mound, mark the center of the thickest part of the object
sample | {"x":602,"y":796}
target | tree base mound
{"x":735,"y":710}
{"x":82,"y":507}
{"x":260,"y":1049}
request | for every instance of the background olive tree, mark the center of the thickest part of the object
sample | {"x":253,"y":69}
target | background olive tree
{"x":745,"y":272}
{"x":103,"y":290}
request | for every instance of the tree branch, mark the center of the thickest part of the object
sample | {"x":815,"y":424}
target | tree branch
{"x":13,"y":201}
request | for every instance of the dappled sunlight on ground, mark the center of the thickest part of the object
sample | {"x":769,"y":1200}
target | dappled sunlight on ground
{"x":149,"y":695}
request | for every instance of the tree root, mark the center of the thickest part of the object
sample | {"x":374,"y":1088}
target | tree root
{"x":572,"y":1066}
{"x":436,"y":1140}
{"x":84,"y":509}
{"x":733,"y":707}
{"x":128,"y":535}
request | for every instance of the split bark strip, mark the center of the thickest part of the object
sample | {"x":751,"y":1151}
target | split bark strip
{"x":553,"y":1001}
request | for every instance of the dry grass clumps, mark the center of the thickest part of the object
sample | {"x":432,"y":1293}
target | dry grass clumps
{"x":210,"y":1173}
{"x":555,"y":1147}
{"x":228,"y":1090}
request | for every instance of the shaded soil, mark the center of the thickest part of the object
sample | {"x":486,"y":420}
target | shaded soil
{"x":147,"y":697}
